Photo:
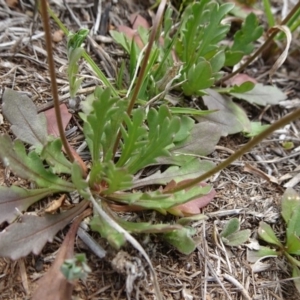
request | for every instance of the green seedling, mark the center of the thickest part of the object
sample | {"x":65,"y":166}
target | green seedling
{"x":76,"y":268}
{"x":231,"y":235}
{"x":290,"y":211}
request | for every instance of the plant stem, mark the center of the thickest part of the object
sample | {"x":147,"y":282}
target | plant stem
{"x":48,"y":39}
{"x":280,"y":123}
{"x":264,"y":46}
{"x":156,"y":24}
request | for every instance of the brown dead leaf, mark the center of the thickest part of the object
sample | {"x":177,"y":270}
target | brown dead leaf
{"x":23,"y":274}
{"x":57,"y":36}
{"x":240,"y":79}
{"x":252,"y":170}
{"x":137,"y":20}
{"x":53,"y":285}
{"x":55,"y":205}
{"x":131,"y":34}
{"x":12,"y":3}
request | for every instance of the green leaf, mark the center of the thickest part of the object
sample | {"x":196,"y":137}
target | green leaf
{"x":162,"y":129}
{"x":157,"y":200}
{"x":290,"y":202}
{"x":14,"y":200}
{"x":100,"y":122}
{"x":80,"y":183}
{"x":199,"y":77}
{"x":182,"y":240}
{"x":134,"y":135}
{"x":187,"y":220}
{"x":117,"y":179}
{"x":237,"y":238}
{"x":232,"y":226}
{"x":54,"y":156}
{"x":293,"y":244}
{"x":256,"y":129}
{"x":32,"y":233}
{"x":262,"y":95}
{"x":253,"y":256}
{"x":233,"y":57}
{"x":296,"y":277}
{"x":115,"y":238}
{"x":267,"y":234}
{"x":250,"y":32}
{"x":243,"y":88}
{"x":121,"y":39}
{"x":191,"y":169}
{"x":27,"y":125}
{"x":217,"y":61}
{"x":189,"y":111}
{"x":30,"y":166}
{"x":186,"y":125}
{"x":293,"y":227}
{"x":76,"y":39}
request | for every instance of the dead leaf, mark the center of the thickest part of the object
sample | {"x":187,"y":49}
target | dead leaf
{"x":12,"y":3}
{"x":57,"y":36}
{"x":240,"y":79}
{"x":252,"y":170}
{"x":23,"y":274}
{"x":55,"y":205}
{"x":53,"y":285}
{"x":20,"y":238}
{"x":137,"y":20}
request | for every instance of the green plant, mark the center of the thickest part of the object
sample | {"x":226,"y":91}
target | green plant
{"x":290,"y":211}
{"x":123,"y":140}
{"x":76,"y":268}
{"x":231,"y":235}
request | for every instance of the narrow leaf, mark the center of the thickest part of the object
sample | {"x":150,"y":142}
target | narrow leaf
{"x":253,"y":256}
{"x":32,"y":233}
{"x":21,"y":112}
{"x":296,"y":277}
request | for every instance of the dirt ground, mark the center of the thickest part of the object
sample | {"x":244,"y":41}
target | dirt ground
{"x":213,"y":271}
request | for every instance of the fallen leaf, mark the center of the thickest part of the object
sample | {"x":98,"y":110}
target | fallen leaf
{"x":53,"y":285}
{"x":137,"y":20}
{"x":252,"y":170}
{"x":55,"y":205}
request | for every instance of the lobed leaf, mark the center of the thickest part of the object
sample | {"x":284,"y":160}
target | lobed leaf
{"x":55,"y":158}
{"x":14,"y":200}
{"x":27,"y":125}
{"x":32,"y":233}
{"x":30,"y":166}
{"x":162,"y":129}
